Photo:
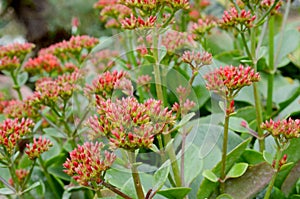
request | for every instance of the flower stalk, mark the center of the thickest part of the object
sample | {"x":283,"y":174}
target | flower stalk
{"x":135,"y":175}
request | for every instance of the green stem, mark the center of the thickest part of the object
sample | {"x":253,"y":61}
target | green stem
{"x":16,"y":85}
{"x":135,"y":175}
{"x":246,"y":46}
{"x":271,"y":184}
{"x":29,"y":175}
{"x":259,"y":117}
{"x":271,"y":67}
{"x":115,"y":190}
{"x":49,"y":179}
{"x":224,"y":148}
{"x":267,"y":13}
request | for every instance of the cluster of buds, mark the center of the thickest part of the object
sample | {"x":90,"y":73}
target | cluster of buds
{"x":266,"y":4}
{"x":283,"y":129}
{"x":48,"y":63}
{"x":38,"y":147}
{"x":16,"y":50}
{"x":105,"y":84}
{"x":12,"y":131}
{"x":202,"y":27}
{"x":100,"y":4}
{"x":71,"y":48}
{"x":184,"y":108}
{"x":103,"y":59}
{"x":114,"y":13}
{"x":129,"y":124}
{"x":282,"y":162}
{"x":143,"y":80}
{"x":133,"y":22}
{"x":21,"y":174}
{"x":19,"y":109}
{"x":196,"y":59}
{"x":49,"y":91}
{"x":174,"y":41}
{"x":226,"y":80}
{"x":9,"y":64}
{"x":233,"y":19}
{"x":87,"y":164}
{"x":178,"y":4}
{"x":144,"y":5}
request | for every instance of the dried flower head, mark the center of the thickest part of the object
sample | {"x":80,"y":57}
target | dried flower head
{"x":226,"y":80}
{"x":233,"y":18}
{"x":12,"y":131}
{"x":87,"y":164}
{"x":283,"y":129}
{"x":129,"y":124}
{"x":38,"y":147}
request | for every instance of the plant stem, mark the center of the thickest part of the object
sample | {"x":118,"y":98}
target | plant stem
{"x":167,"y":138}
{"x":49,"y":178}
{"x":16,"y":85}
{"x":182,"y":158}
{"x":224,"y":148}
{"x":256,"y":92}
{"x":271,"y":67}
{"x":271,"y":184}
{"x":117,"y":191}
{"x":29,"y":175}
{"x":135,"y":175}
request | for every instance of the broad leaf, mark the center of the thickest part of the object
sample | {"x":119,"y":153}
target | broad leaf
{"x":6,"y":191}
{"x":237,"y":170}
{"x":175,"y":192}
{"x":208,"y":174}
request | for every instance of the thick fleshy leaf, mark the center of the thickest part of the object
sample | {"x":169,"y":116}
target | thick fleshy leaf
{"x":237,"y":170}
{"x":252,"y":182}
{"x":211,"y":176}
{"x":6,"y":191}
{"x":268,"y":157}
{"x":34,"y":185}
{"x":160,"y":176}
{"x":175,"y":192}
{"x":207,"y":187}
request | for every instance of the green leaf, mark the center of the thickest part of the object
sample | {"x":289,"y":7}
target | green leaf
{"x":268,"y":157}
{"x":207,"y":187}
{"x":34,"y":185}
{"x":57,"y":171}
{"x":54,"y":132}
{"x":235,"y":125}
{"x":160,"y":176}
{"x":225,"y":196}
{"x":162,"y":53}
{"x":252,"y":157}
{"x":211,"y":176}
{"x":237,"y":170}
{"x":184,"y":120}
{"x":150,"y":58}
{"x":6,"y":191}
{"x":175,"y":192}
{"x":22,"y":78}
{"x":251,"y":183}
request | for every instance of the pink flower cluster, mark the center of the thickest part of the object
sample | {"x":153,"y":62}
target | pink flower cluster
{"x":129,"y":124}
{"x":266,"y":4}
{"x":71,"y":48}
{"x":38,"y":147}
{"x":12,"y":131}
{"x":86,"y":163}
{"x":202,"y":27}
{"x":145,"y":5}
{"x":102,"y":3}
{"x":287,"y":128}
{"x":233,"y":18}
{"x":174,"y":41}
{"x":225,"y":80}
{"x":178,"y":4}
{"x":16,"y":50}
{"x":9,"y":64}
{"x":21,"y":174}
{"x":47,"y":62}
{"x":105,"y":84}
{"x":49,"y":91}
{"x":19,"y":109}
{"x":197,"y":59}
{"x":133,"y":22}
